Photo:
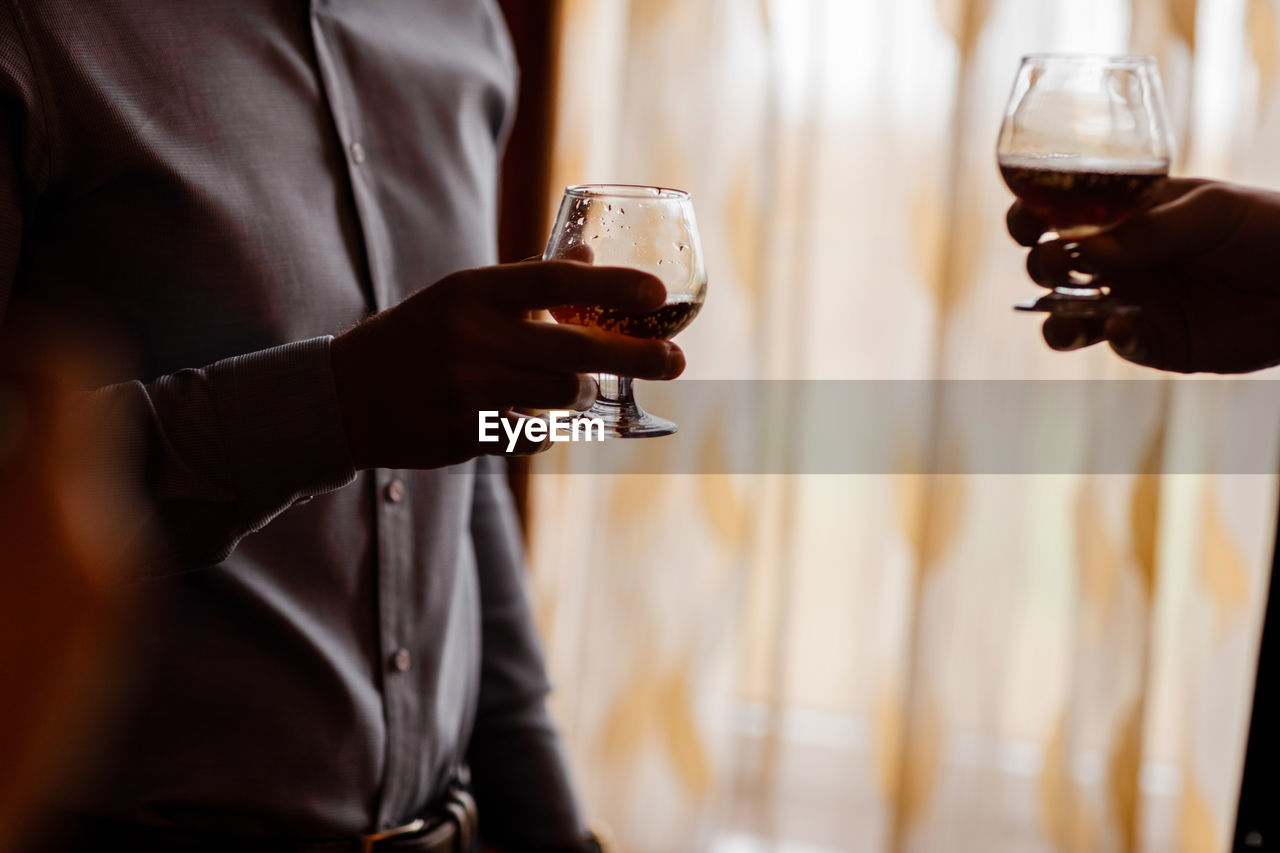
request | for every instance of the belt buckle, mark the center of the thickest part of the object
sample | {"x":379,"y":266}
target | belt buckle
{"x":367,"y":841}
{"x":461,"y":810}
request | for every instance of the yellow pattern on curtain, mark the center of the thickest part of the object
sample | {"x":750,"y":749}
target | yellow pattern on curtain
{"x":895,"y":662}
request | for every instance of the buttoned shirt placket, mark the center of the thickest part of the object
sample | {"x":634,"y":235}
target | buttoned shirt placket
{"x":401,"y":697}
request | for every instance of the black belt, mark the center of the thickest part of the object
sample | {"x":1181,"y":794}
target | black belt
{"x":451,"y":828}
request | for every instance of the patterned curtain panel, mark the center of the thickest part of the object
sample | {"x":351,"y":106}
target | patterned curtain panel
{"x":898,"y":661}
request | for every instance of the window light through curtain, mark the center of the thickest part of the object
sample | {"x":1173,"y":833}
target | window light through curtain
{"x":895,"y":662}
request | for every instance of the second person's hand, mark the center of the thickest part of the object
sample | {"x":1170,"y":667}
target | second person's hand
{"x":1200,"y":267}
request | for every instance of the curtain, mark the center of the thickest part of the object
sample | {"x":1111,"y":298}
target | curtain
{"x":898,"y":662}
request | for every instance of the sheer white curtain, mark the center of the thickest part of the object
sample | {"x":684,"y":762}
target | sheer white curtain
{"x":895,"y":662}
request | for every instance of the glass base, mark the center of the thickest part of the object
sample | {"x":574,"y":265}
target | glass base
{"x":624,"y":419}
{"x":1077,"y":305}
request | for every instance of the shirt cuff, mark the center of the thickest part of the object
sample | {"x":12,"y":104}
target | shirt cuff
{"x":279,"y":410}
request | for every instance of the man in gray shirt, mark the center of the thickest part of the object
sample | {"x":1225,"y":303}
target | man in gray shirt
{"x":337,"y":626}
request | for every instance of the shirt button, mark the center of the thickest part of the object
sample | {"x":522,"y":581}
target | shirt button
{"x":401,"y":660}
{"x":395,"y":491}
{"x":357,"y":153}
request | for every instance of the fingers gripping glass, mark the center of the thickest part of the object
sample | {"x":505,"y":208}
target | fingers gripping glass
{"x":646,"y":228}
{"x":1085,"y":143}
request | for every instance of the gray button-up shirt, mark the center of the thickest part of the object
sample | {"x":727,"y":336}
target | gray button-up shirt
{"x":218,"y":187}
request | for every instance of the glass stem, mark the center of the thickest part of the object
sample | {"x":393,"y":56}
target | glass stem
{"x":615,"y":389}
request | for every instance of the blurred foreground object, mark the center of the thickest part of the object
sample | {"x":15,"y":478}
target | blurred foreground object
{"x":65,"y":531}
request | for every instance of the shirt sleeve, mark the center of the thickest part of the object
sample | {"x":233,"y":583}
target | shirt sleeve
{"x":228,"y":447}
{"x":21,"y":142}
{"x":521,"y":781}
{"x":219,"y":451}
